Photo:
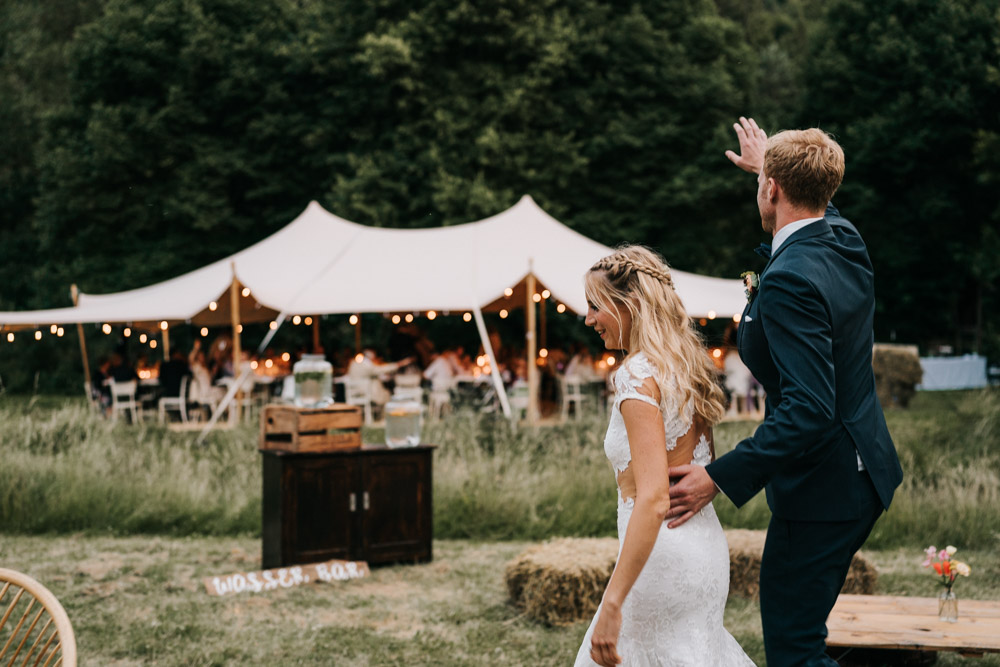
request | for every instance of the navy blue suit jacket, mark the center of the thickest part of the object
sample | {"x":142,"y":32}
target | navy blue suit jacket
{"x":807,"y":338}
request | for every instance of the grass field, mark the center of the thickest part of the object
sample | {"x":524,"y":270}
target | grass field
{"x":140,"y":601}
{"x":121,"y":522}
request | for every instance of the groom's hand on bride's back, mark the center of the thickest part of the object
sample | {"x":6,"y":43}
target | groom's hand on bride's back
{"x":691,"y":488}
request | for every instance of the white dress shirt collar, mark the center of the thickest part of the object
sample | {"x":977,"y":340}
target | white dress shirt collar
{"x":788,"y":230}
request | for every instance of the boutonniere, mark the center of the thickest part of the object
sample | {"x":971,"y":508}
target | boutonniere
{"x":751,"y":281}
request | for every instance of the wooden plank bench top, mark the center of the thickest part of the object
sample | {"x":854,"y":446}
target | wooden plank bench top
{"x":885,"y":621}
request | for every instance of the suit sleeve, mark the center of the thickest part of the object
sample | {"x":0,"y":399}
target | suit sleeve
{"x":799,"y":333}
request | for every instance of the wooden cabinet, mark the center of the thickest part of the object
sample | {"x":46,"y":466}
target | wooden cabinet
{"x":371,"y":504}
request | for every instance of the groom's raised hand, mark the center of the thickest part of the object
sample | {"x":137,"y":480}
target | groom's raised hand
{"x":689,"y":494}
{"x":753,"y":144}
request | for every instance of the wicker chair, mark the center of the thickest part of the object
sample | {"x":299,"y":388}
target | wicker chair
{"x":34,"y":627}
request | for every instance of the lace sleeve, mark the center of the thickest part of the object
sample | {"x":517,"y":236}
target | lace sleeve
{"x":629,"y":379}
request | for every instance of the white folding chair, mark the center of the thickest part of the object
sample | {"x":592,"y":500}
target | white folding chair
{"x":123,"y":400}
{"x":571,"y":389}
{"x":178,"y":402}
{"x":358,"y":391}
{"x":519,"y":398}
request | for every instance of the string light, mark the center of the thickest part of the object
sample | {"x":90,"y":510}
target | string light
{"x":239,"y":329}
{"x":504,"y":314}
{"x":736,"y":318}
{"x":536,"y":297}
{"x":285,"y":356}
{"x":106,"y":328}
{"x":268,"y":364}
{"x":611,"y":361}
{"x":213,"y":306}
{"x":543,"y":353}
{"x":53,"y":329}
{"x":467,"y":317}
{"x":561,"y":308}
{"x":395,"y":319}
{"x":38,"y":335}
{"x":127,"y":332}
{"x":307,"y":321}
{"x":152,"y":344}
{"x":297,"y":320}
{"x":273,"y":324}
{"x":163,"y":325}
{"x":142,"y":338}
{"x":60,"y":331}
{"x":10,"y":337}
{"x":431,"y":314}
{"x":253,"y":364}
{"x":711,"y":314}
{"x":409,"y":317}
{"x":703,"y":321}
{"x":509,"y":292}
{"x":546,"y":294}
{"x":359,"y":357}
{"x":246,"y":291}
{"x":204,"y":332}
{"x":717,"y":352}
{"x":353,"y":319}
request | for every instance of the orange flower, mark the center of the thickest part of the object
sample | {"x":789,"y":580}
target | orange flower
{"x":947,"y":567}
{"x":937,"y":568}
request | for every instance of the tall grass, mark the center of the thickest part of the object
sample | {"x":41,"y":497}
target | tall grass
{"x":64,"y":469}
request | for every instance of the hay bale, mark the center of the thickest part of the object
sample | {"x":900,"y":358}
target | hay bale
{"x":746,"y":548}
{"x":562,"y":581}
{"x":897,"y":373}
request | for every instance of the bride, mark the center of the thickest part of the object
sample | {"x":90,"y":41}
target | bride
{"x":665,"y":600}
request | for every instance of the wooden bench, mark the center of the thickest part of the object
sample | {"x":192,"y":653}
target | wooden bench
{"x":890,"y":622}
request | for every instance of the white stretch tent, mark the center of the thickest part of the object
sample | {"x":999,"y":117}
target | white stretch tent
{"x":322,"y":264}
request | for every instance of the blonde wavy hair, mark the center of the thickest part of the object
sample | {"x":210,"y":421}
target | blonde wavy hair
{"x":639,"y":279}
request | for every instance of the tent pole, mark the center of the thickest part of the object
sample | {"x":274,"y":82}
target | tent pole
{"x":529,"y":307}
{"x":166,"y":344}
{"x":234,"y":306}
{"x":495,"y":368}
{"x":542,"y":338}
{"x":75,"y":293}
{"x":357,"y":336}
{"x":316,"y":349}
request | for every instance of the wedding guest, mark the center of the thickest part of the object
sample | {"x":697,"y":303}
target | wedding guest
{"x":172,"y":372}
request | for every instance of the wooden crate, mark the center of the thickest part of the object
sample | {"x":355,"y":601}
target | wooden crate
{"x":293,"y":429}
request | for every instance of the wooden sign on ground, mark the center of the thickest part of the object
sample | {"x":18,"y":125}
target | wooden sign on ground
{"x":285,"y":577}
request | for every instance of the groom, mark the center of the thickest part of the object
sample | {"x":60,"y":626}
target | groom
{"x":823,"y":454}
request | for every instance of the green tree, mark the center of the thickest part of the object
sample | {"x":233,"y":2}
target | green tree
{"x":910,"y":89}
{"x":34,"y":37}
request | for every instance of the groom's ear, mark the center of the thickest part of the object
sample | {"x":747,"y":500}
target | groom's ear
{"x":773,"y":188}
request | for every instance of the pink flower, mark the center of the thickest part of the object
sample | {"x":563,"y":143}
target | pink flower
{"x":943,"y":555}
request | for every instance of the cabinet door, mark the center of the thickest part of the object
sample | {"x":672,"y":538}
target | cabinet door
{"x":397,"y":521}
{"x":322,"y":509}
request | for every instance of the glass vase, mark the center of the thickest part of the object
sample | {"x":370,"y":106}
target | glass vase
{"x":948,"y":606}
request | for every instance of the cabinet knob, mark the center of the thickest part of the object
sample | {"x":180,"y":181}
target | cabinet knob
{"x":353,"y":503}
{"x":365,"y":501}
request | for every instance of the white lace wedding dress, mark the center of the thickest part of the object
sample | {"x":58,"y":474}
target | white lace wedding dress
{"x":673,"y":614}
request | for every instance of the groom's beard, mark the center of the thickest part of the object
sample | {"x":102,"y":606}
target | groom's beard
{"x":768,"y":221}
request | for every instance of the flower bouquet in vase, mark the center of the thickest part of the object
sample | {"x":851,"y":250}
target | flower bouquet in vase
{"x":946,"y":569}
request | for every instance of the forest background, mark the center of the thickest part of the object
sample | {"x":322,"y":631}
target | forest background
{"x":141,"y":139}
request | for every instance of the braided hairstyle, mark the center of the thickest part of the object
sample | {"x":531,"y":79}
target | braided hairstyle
{"x":638,"y":279}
